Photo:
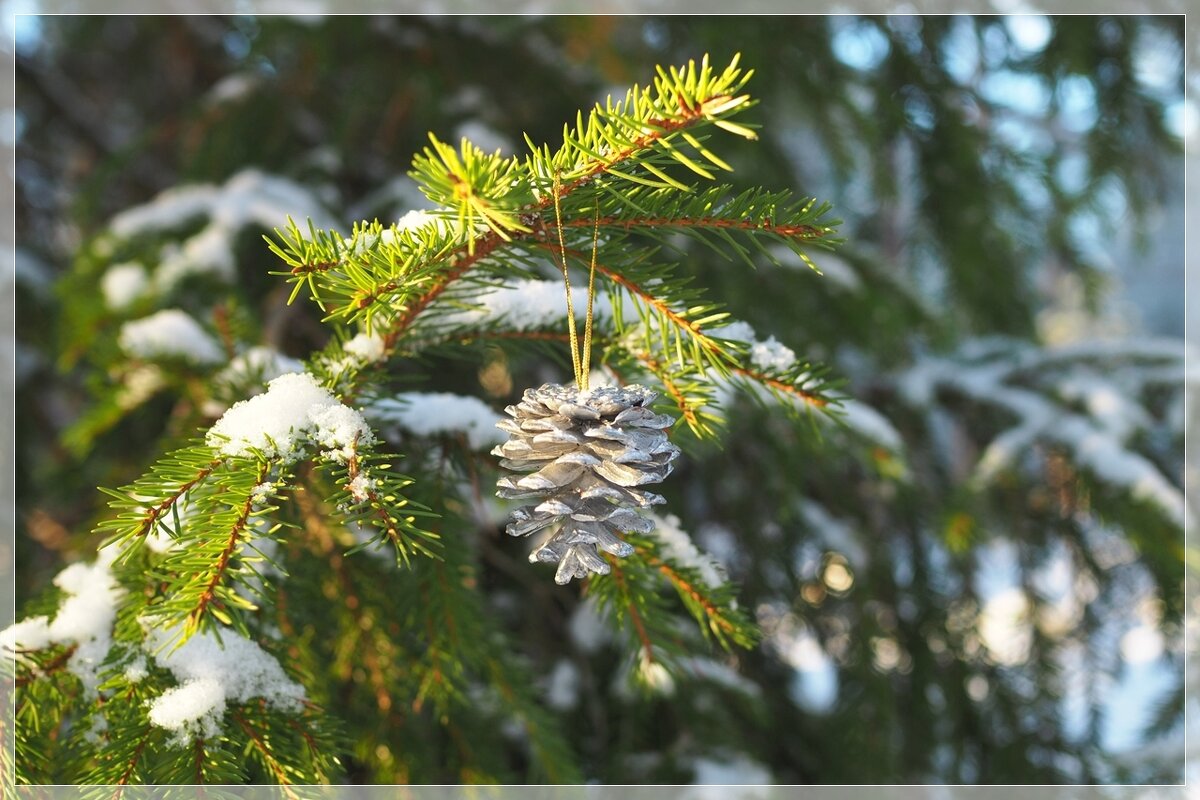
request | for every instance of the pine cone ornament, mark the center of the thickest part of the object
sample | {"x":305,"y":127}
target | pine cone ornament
{"x":581,"y":456}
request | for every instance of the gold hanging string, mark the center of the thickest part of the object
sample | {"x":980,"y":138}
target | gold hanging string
{"x":587,"y":329}
{"x":580,"y":382}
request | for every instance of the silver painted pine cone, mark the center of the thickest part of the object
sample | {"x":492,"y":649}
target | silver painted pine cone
{"x":581,"y":457}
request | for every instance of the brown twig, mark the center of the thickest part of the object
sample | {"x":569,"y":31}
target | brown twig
{"x":634,"y":617}
{"x":766,"y":226}
{"x":137,"y":755}
{"x":710,"y":608}
{"x":235,"y":535}
{"x":270,"y":760}
{"x":53,"y":665}
{"x":467,"y":256}
{"x":783,"y":386}
{"x":685,"y":408}
{"x":154,"y":512}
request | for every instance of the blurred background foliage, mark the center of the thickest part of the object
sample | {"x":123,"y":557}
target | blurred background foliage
{"x":1011,"y":189}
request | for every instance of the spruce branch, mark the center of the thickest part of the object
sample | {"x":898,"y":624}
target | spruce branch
{"x":717,"y":218}
{"x":690,"y":395}
{"x":265,"y":755}
{"x":208,"y":600}
{"x":630,"y":604}
{"x":679,"y":328}
{"x":369,"y":493}
{"x":630,"y":595}
{"x":162,"y":487}
{"x":416,"y":269}
{"x":482,"y":189}
{"x":785,"y":389}
{"x":422,"y":646}
{"x":408,"y":314}
{"x":714,"y":608}
{"x":132,"y":761}
{"x":29,"y":673}
{"x":646,"y":120}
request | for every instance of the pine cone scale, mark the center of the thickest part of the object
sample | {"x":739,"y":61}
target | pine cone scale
{"x":580,"y":454}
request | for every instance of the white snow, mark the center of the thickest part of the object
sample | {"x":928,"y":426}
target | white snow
{"x":169,"y":333}
{"x":136,"y":670}
{"x":262,"y":492}
{"x":736,"y":770}
{"x":89,"y":608}
{"x":526,"y":305}
{"x":411,"y":220}
{"x":250,"y":197}
{"x":122,"y":284}
{"x":359,"y":351}
{"x":259,"y":362}
{"x":869,"y":423}
{"x":360,"y":487}
{"x":294,"y":412}
{"x":366,"y":348}
{"x":85,"y":618}
{"x":32,"y":633}
{"x":338,"y":429}
{"x":212,"y":673}
{"x":588,"y":628}
{"x":169,"y":209}
{"x":1106,"y":403}
{"x":562,"y":687}
{"x":769,"y":355}
{"x":435,"y":413}
{"x":417,"y":219}
{"x":709,"y":669}
{"x":772,"y":356}
{"x":191,"y":709}
{"x":678,"y":548}
{"x":209,"y":251}
{"x":1095,"y":440}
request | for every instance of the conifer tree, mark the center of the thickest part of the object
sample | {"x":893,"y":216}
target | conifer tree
{"x":280,"y":569}
{"x":956,"y":562}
